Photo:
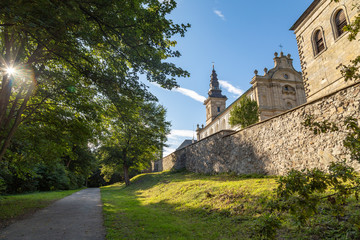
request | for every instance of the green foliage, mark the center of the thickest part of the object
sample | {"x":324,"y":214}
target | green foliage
{"x":73,"y":53}
{"x":354,"y":27}
{"x":133,"y":139}
{"x":52,"y":178}
{"x":352,"y":140}
{"x":96,"y":179}
{"x":301,"y":192}
{"x":319,"y":127}
{"x":351,"y":72}
{"x":245,"y":113}
{"x":265,"y":227}
{"x":50,"y":152}
{"x":19,"y":177}
{"x":2,"y":186}
{"x":51,"y":147}
{"x":40,"y":177}
{"x":305,"y":194}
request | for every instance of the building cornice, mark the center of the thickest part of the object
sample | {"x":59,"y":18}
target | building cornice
{"x":214,"y":98}
{"x":305,"y":14}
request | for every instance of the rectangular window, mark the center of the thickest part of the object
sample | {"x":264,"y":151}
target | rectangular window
{"x":218,"y":109}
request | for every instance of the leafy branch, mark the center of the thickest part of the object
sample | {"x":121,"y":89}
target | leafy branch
{"x":319,"y":127}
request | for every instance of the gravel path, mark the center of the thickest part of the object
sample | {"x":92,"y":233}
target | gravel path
{"x":78,"y":216}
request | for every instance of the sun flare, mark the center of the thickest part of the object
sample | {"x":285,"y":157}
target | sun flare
{"x":10,"y":70}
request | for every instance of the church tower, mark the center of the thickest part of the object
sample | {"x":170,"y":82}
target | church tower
{"x":216,"y":102}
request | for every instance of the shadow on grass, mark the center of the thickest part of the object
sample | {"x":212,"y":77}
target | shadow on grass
{"x":192,"y":206}
{"x":129,"y":214}
{"x":129,"y":218}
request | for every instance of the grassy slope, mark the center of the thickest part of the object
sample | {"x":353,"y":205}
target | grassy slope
{"x":14,"y":207}
{"x":192,"y":206}
{"x":184,"y":206}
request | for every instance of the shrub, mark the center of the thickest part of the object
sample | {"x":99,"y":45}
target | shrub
{"x":2,"y":186}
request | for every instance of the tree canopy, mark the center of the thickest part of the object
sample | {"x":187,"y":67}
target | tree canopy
{"x":245,"y":113}
{"x":132,"y":141}
{"x":63,"y":64}
{"x":52,"y":47}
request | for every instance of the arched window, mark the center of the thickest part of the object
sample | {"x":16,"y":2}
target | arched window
{"x":319,"y":44}
{"x":340,"y":22}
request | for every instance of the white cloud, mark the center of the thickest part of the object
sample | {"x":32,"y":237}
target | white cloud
{"x":190,"y":93}
{"x":219,"y":13}
{"x":230,"y":88}
{"x":181,"y":133}
{"x":175,"y":138}
{"x":187,"y":92}
{"x":167,"y":151}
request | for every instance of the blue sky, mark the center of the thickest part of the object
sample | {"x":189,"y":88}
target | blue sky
{"x":239,"y":36}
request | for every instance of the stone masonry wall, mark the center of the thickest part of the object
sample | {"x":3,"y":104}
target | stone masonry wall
{"x":276,"y":145}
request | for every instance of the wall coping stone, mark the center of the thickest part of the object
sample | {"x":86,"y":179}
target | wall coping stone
{"x":295,"y":108}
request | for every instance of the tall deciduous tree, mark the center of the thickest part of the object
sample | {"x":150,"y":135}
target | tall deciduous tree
{"x":245,"y":113}
{"x":133,"y":140}
{"x":104,"y":44}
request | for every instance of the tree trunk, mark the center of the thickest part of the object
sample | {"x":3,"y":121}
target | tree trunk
{"x":6,"y":140}
{"x":126,"y":175}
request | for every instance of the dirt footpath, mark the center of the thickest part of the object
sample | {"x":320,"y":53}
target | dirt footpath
{"x":78,"y":216}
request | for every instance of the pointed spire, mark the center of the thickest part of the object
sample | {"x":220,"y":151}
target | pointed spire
{"x":215,"y":90}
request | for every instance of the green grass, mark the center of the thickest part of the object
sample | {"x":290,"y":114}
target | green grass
{"x":13,"y":207}
{"x":192,"y":206}
{"x":184,"y":206}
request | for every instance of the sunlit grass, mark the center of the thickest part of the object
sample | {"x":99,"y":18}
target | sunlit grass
{"x":194,"y":206}
{"x":184,"y":206}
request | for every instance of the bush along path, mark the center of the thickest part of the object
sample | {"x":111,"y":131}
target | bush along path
{"x":78,"y":216}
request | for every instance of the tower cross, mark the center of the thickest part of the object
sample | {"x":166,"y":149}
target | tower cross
{"x":281,"y":47}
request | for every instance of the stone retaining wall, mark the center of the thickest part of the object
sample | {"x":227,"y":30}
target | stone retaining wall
{"x":276,"y":145}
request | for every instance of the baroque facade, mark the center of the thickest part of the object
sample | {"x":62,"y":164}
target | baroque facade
{"x":281,"y":143}
{"x":323,"y":45}
{"x":276,"y":91}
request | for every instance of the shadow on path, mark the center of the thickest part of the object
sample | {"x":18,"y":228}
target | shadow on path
{"x":78,"y":216}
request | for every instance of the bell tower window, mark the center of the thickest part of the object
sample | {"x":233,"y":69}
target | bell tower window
{"x":340,"y":22}
{"x":319,"y":42}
